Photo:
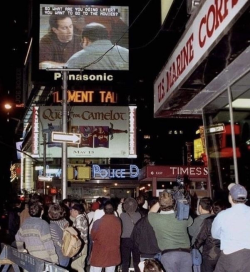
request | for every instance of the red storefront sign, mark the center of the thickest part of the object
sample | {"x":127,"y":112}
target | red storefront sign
{"x":174,"y":171}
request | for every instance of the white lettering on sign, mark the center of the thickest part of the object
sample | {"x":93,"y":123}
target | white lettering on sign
{"x":199,"y":39}
{"x":190,"y":171}
{"x":84,"y":77}
{"x":51,"y":115}
{"x":35,"y":131}
{"x":132,"y":130}
{"x":114,"y":173}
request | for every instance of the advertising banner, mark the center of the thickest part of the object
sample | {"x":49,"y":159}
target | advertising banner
{"x":106,"y":132}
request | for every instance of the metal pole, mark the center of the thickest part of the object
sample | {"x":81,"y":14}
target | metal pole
{"x":64,"y":144}
{"x":231,"y":114}
{"x":64,"y":70}
{"x":44,"y":161}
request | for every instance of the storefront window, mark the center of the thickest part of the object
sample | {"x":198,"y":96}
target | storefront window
{"x":227,"y":164}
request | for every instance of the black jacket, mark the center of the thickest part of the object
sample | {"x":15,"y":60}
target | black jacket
{"x":143,"y":237}
{"x":211,"y":246}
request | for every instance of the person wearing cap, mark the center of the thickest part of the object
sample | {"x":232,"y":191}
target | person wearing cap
{"x":129,"y":218}
{"x":81,"y":224}
{"x":232,"y":228}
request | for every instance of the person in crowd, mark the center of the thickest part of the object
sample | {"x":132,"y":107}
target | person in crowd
{"x":98,"y":52}
{"x":34,"y":236}
{"x":204,"y":211}
{"x":14,"y":220}
{"x":66,"y":203}
{"x":211,"y":246}
{"x":72,"y":203}
{"x":93,"y":208}
{"x":81,"y":224}
{"x":231,"y":227}
{"x":100,"y":211}
{"x":150,"y":265}
{"x":58,"y":222}
{"x":106,"y":235}
{"x":25,"y":212}
{"x":143,"y":237}
{"x":141,"y":201}
{"x":171,"y":234}
{"x":60,"y":43}
{"x":129,"y":218}
{"x":120,"y":206}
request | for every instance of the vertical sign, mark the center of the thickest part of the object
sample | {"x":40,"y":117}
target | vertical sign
{"x":35,"y":132}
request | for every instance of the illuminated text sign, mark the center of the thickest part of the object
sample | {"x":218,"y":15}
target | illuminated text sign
{"x":87,"y":97}
{"x":115,"y":173}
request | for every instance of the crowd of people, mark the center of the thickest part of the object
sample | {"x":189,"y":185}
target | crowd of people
{"x":150,"y":235}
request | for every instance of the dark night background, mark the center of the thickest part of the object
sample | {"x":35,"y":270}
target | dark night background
{"x":150,"y":46}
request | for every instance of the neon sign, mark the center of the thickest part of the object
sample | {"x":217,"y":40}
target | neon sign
{"x":132,"y":172}
{"x":87,"y":97}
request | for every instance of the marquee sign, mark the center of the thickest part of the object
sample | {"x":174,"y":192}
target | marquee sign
{"x":78,"y":96}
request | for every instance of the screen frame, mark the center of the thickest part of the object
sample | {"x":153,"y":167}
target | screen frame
{"x":44,"y":75}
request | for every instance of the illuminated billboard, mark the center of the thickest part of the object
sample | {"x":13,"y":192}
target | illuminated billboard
{"x":106,"y":132}
{"x":87,"y":37}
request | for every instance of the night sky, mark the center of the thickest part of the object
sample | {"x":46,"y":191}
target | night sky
{"x":150,"y":46}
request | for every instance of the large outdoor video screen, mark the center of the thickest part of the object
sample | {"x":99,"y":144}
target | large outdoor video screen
{"x":87,"y":37}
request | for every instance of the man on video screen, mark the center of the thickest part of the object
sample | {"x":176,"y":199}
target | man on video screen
{"x":98,"y":51}
{"x":60,"y":43}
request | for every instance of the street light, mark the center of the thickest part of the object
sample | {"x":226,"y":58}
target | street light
{"x":7,"y":106}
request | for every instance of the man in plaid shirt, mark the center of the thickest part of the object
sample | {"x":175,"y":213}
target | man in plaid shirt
{"x":81,"y":224}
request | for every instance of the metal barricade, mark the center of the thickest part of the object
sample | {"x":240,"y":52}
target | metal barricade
{"x":11,"y":257}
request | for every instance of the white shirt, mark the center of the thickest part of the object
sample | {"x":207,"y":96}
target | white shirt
{"x":232,"y":228}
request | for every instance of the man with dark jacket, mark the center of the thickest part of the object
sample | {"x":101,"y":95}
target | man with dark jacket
{"x":143,"y":237}
{"x":211,"y":246}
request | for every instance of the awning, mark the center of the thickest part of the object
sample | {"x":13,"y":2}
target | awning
{"x":217,"y":34}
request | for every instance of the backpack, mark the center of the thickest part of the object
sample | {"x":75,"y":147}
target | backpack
{"x":71,"y":242}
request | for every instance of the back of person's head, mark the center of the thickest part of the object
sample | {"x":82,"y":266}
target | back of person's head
{"x":140,"y":200}
{"x":56,"y":212}
{"x":53,"y":19}
{"x":108,"y":207}
{"x":130,"y":205}
{"x":206,"y":203}
{"x":74,"y":201}
{"x":78,"y":207}
{"x":152,"y":201}
{"x":66,"y":202}
{"x":151,"y":265}
{"x":102,"y":201}
{"x":95,"y":31}
{"x":95,"y":206}
{"x":166,"y":201}
{"x":218,"y":206}
{"x":35,"y":198}
{"x":36,"y":209}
